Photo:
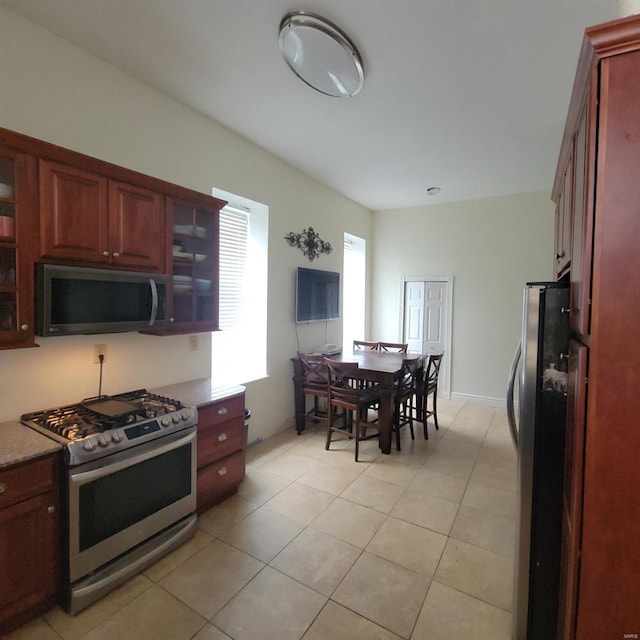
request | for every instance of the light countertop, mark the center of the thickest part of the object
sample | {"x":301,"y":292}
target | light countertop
{"x":198,"y":392}
{"x":19,"y":443}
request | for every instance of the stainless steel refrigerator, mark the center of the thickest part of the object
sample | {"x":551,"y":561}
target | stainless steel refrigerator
{"x":536,"y":408}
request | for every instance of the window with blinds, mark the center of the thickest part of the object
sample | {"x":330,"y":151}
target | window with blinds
{"x":239,"y":349}
{"x":234,"y":239}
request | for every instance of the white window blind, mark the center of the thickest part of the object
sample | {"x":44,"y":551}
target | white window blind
{"x":239,"y":349}
{"x":234,"y":237}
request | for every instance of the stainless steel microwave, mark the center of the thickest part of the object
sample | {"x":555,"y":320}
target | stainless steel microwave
{"x":74,"y":300}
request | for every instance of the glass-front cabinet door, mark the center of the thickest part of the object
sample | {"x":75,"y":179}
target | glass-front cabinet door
{"x":17,"y":192}
{"x":194,"y":234}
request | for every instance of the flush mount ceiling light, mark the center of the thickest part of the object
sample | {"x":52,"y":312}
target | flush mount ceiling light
{"x":321,"y":55}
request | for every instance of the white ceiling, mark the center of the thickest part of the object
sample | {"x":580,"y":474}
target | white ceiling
{"x":467,"y":95}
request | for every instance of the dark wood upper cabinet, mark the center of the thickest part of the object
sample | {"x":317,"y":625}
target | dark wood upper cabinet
{"x":63,"y":207}
{"x":582,"y":219}
{"x":18,"y":234}
{"x":564,"y":210}
{"x":136,"y":227}
{"x":88,"y":218}
{"x":192,"y":246}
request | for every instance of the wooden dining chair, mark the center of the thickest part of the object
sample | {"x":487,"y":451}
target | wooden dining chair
{"x":396,"y":347}
{"x":365,"y":345}
{"x":315,"y":381}
{"x":347,"y":395}
{"x":427,"y":385}
{"x":405,"y":390}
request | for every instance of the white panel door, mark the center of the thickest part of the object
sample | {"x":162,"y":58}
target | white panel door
{"x":426,"y":322}
{"x":435,"y":316}
{"x":414,"y":315}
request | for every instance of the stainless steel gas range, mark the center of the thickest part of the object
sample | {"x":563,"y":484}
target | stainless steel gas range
{"x":130,"y":486}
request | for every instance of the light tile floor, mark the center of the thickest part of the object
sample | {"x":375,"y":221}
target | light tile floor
{"x":416,"y":545}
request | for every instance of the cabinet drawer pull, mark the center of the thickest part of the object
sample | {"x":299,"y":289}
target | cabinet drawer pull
{"x":222,"y":411}
{"x":222,"y":437}
{"x":24,"y":327}
{"x":222,"y":471}
{"x":51,"y":509}
{"x":3,"y":487}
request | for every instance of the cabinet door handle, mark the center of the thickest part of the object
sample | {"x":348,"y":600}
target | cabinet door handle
{"x":222,"y":411}
{"x":3,"y":487}
{"x":222,"y":471}
{"x":222,"y":437}
{"x":105,"y":254}
{"x":116,"y":254}
{"x":24,"y":327}
{"x":51,"y":509}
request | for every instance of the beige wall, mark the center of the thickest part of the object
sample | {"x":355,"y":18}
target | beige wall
{"x":491,"y":247}
{"x":55,"y":92}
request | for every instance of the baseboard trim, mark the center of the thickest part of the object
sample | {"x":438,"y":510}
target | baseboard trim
{"x":490,"y":402}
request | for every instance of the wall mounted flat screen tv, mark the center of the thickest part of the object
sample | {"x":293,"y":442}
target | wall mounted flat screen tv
{"x":317,"y":295}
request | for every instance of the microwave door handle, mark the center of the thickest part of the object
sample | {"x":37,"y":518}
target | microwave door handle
{"x":154,"y":301}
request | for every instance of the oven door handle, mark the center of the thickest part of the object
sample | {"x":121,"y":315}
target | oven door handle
{"x":149,"y":452}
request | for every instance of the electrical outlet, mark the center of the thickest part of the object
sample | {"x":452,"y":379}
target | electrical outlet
{"x":193,"y":343}
{"x":99,"y":349}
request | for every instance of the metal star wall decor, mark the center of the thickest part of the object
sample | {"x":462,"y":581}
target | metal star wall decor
{"x":309,"y":242}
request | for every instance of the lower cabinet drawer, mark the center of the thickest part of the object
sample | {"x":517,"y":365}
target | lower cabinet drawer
{"x":219,"y":480}
{"x":26,"y":480}
{"x":219,"y":441}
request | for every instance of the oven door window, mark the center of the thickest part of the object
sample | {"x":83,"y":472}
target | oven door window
{"x":116,"y":501}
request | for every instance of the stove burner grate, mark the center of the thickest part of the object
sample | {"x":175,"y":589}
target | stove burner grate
{"x":78,"y":421}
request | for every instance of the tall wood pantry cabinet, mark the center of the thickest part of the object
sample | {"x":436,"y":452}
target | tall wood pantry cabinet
{"x":597,"y":193}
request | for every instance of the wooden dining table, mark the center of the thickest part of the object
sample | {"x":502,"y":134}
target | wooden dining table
{"x":382,"y":368}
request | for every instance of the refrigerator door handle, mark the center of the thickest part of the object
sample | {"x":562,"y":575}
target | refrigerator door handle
{"x":511,"y":414}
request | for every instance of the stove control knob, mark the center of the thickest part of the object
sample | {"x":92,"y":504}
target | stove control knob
{"x":175,"y":418}
{"x":165,"y":422}
{"x":89,"y":445}
{"x":184,"y":415}
{"x":104,"y":441}
{"x":116,"y":437}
